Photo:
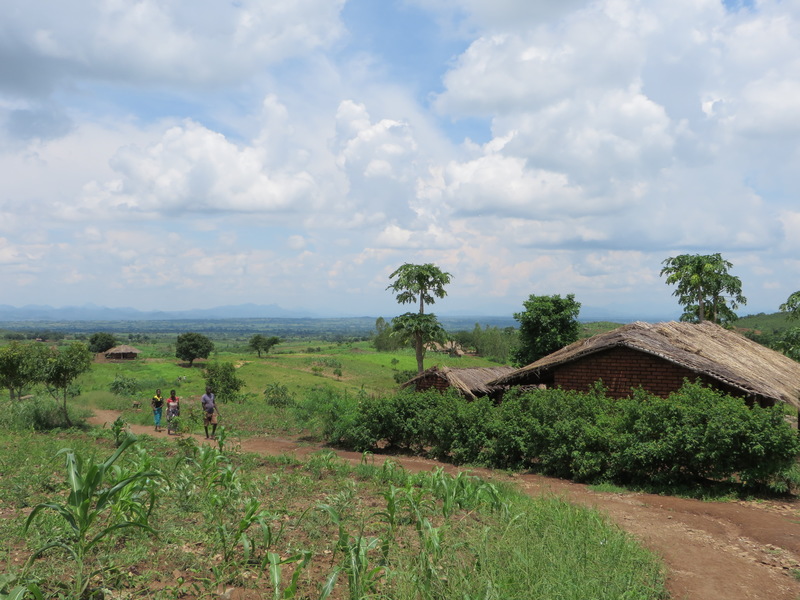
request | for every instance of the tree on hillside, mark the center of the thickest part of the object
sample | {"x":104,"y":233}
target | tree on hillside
{"x":704,"y":287}
{"x":264,"y":344}
{"x":547,"y":324}
{"x":221,"y":378}
{"x":100,"y":342}
{"x":62,"y":368}
{"x":423,"y":284}
{"x":21,"y":365}
{"x":190,"y":346}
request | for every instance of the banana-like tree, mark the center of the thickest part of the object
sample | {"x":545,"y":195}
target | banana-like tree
{"x":418,"y":284}
{"x":704,"y":287}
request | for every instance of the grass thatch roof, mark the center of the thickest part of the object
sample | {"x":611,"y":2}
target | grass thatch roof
{"x":703,"y":348}
{"x":471,"y":381}
{"x":123,"y":349}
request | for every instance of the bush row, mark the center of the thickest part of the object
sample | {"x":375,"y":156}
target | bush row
{"x":696,"y":433}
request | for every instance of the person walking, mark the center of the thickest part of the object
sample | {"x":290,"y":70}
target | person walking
{"x":210,"y":412}
{"x":158,"y":406}
{"x":173,"y":412}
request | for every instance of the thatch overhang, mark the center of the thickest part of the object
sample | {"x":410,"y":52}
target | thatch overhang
{"x":470,"y":381}
{"x":706,"y":349}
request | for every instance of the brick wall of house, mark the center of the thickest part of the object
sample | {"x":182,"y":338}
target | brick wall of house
{"x":432,"y":381}
{"x":622,"y":369}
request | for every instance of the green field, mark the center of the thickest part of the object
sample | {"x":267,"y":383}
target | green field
{"x":196,"y":520}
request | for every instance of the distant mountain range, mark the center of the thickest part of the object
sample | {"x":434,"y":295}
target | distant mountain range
{"x":92,"y":312}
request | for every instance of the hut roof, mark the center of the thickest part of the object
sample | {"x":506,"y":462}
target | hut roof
{"x":123,"y":349}
{"x":703,"y":348}
{"x":469,"y":381}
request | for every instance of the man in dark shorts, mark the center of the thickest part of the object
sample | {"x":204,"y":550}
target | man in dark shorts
{"x":209,"y":412}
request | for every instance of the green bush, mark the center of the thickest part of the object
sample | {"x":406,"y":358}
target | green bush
{"x":696,"y":434}
{"x":278,"y":395}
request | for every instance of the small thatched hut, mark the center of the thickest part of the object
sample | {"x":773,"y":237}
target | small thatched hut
{"x":659,"y":356}
{"x":471,"y":382}
{"x":123,"y":352}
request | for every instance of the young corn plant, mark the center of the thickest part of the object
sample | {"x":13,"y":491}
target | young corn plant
{"x":363,"y":578}
{"x":91,"y":498}
{"x":274,"y":560}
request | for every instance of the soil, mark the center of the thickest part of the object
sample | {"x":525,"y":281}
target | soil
{"x":742,"y":550}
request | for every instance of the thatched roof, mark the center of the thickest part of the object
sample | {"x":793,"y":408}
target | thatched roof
{"x":471,"y":382}
{"x":123,"y":349}
{"x":703,"y":348}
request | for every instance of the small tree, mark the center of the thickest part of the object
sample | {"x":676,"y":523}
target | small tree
{"x":63,"y":367}
{"x":221,"y":377}
{"x":547,"y":324}
{"x":423,"y":284}
{"x":21,"y":365}
{"x":190,"y":346}
{"x":704,"y":287}
{"x":100,"y":342}
{"x":260,"y":343}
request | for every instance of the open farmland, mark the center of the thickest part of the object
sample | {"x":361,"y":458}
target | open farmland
{"x":280,"y":466}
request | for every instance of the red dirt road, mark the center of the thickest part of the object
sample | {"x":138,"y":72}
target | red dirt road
{"x":712,"y":550}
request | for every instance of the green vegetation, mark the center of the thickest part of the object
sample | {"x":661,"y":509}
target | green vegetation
{"x":418,"y":284}
{"x":704,"y":287}
{"x":547,"y":324}
{"x":695,"y":436}
{"x":285,"y":529}
{"x":320,"y":529}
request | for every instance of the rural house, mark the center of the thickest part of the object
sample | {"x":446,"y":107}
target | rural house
{"x":470,"y":382}
{"x":123,"y":352}
{"x":659,"y":356}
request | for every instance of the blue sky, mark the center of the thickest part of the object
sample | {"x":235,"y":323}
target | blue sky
{"x":176,"y":155}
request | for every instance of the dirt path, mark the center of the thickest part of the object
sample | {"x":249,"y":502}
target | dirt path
{"x":713,"y":550}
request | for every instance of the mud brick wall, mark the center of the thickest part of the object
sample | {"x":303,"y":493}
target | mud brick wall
{"x":431,"y":381}
{"x":622,"y":369}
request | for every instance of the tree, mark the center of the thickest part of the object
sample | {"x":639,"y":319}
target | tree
{"x":260,"y":343}
{"x":63,"y":367}
{"x":419,"y":330}
{"x":548,"y":324}
{"x":704,"y":287}
{"x":190,"y":346}
{"x":423,"y":284}
{"x":792,"y":305}
{"x":221,"y":377}
{"x":383,"y":340}
{"x":100,"y":342}
{"x":21,"y":365}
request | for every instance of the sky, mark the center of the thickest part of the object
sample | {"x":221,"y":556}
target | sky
{"x":177,"y":154}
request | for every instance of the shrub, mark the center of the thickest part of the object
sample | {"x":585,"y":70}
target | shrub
{"x":278,"y":395}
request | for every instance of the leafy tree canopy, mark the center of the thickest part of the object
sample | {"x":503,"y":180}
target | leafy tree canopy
{"x":423,"y":284}
{"x":100,"y":342}
{"x":547,"y":324}
{"x":792,"y":305}
{"x":419,"y":329}
{"x":704,"y":287}
{"x":22,"y":365}
{"x":261,"y":343}
{"x":190,"y":346}
{"x":63,"y":368}
{"x":419,"y":283}
{"x":221,"y":378}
